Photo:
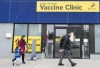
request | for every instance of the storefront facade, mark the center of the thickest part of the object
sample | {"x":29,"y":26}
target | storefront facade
{"x":85,"y":38}
{"x":49,"y":35}
{"x":21,"y":17}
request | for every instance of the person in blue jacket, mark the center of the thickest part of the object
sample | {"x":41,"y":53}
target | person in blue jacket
{"x":17,"y":56}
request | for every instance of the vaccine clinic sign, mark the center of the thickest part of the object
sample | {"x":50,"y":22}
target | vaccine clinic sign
{"x":68,"y":6}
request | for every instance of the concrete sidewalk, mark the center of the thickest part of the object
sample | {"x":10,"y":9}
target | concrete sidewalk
{"x":52,"y":63}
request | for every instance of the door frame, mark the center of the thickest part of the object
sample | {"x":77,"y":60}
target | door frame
{"x":43,"y":36}
{"x":81,"y":39}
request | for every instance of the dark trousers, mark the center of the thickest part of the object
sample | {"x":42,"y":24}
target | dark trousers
{"x":23,"y":56}
{"x":68,"y":56}
{"x":13,"y":59}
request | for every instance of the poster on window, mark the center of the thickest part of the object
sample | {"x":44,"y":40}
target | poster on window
{"x":38,"y":43}
{"x":29,"y":40}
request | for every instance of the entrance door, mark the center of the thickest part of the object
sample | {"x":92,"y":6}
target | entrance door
{"x":76,"y":41}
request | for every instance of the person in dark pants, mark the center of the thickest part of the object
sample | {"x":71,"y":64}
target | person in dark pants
{"x":17,"y":56}
{"x":65,"y":49}
{"x":13,"y":59}
{"x":22,"y":44}
{"x":17,"y":52}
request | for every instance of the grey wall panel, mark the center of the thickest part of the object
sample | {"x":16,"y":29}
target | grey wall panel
{"x":5,"y":44}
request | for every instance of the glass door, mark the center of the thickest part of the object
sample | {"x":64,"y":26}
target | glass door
{"x":58,"y":34}
{"x":76,"y":41}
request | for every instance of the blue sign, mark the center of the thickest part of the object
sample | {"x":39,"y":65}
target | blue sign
{"x":24,"y":11}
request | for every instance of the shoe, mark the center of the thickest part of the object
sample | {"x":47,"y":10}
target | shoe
{"x":73,"y":64}
{"x":13,"y":63}
{"x":12,"y":60}
{"x":60,"y":64}
{"x":31,"y":58}
{"x":24,"y":62}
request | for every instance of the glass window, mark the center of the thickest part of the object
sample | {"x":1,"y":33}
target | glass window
{"x":34,"y":29}
{"x":21,"y":29}
{"x":97,"y":38}
{"x":50,"y":37}
{"x":32,"y":32}
{"x":85,"y":46}
{"x":50,"y":32}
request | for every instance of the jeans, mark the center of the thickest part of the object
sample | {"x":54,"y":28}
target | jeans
{"x":68,"y":55}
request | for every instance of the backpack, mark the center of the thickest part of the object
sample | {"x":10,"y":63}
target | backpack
{"x":61,"y":41}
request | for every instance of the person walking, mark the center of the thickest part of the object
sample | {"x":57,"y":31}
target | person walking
{"x":16,"y":60}
{"x":65,"y":49}
{"x":22,"y":44}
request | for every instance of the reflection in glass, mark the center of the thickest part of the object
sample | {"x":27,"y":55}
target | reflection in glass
{"x":34,"y":30}
{"x":21,"y":29}
{"x":97,"y":38}
{"x":50,"y":37}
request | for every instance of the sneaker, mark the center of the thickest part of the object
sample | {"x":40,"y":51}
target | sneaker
{"x":24,"y":62}
{"x":12,"y":60}
{"x":60,"y":64}
{"x":13,"y":63}
{"x":73,"y":64}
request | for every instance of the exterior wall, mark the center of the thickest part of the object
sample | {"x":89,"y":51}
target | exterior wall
{"x":95,"y":56}
{"x":5,"y":44}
